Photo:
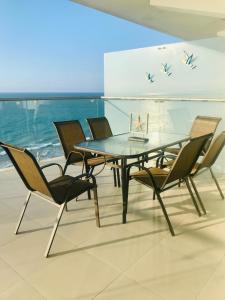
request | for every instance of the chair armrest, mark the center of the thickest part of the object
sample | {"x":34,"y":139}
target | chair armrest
{"x":75,"y":152}
{"x":53,"y":164}
{"x":68,"y":158}
{"x":140,"y":161}
{"x":146,"y":170}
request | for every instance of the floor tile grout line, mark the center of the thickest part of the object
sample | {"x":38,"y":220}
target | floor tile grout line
{"x":23,"y":278}
{"x":108,"y":285}
{"x":134,"y":263}
{"x":117,"y":268}
{"x":189,"y":271}
{"x":209,"y":279}
{"x":123,"y":274}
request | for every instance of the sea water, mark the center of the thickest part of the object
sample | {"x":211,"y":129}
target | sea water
{"x":26,"y":121}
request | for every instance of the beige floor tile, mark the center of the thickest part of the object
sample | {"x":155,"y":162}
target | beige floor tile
{"x":171,"y":274}
{"x":124,"y":288}
{"x":21,"y":291}
{"x":215,"y":287}
{"x":26,"y":254}
{"x":204,"y":242}
{"x":72,"y":276}
{"x":177,"y":202}
{"x":89,"y":262}
{"x":119,"y":247}
{"x":8,"y":223}
{"x":8,"y":276}
{"x":79,"y":231}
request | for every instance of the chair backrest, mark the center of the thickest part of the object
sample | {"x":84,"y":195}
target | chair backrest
{"x":100,"y":128}
{"x":187,"y":158}
{"x":28,"y":169}
{"x":213,"y":152}
{"x":203,"y":125}
{"x":70,"y":133}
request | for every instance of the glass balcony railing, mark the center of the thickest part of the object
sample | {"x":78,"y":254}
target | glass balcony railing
{"x":174,"y":115}
{"x":29,"y":122}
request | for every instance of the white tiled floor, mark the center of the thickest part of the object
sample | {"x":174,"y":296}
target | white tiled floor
{"x":137,"y":260}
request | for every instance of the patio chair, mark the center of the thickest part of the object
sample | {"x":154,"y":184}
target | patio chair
{"x":201,"y":125}
{"x":207,"y":162}
{"x":161,"y":180}
{"x":57,"y":192}
{"x":71,"y":133}
{"x":100,"y":129}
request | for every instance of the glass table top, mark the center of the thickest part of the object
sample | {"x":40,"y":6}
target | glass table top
{"x":119,"y":145}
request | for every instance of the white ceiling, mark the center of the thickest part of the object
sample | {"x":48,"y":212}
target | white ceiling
{"x":189,"y":20}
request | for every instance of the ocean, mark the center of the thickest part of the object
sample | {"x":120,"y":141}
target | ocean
{"x":26,"y":120}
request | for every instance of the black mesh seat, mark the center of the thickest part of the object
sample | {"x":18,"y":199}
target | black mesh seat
{"x":65,"y":187}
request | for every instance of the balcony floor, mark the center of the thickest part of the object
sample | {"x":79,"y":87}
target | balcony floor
{"x":138,"y":260}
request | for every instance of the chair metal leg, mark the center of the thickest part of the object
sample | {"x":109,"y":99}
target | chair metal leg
{"x":197,"y":194}
{"x":165,"y":214}
{"x":217,"y":183}
{"x":158,"y":161}
{"x":153,"y":196}
{"x":139,"y":168}
{"x":192,"y":197}
{"x":118,"y":177}
{"x":55,"y":227}
{"x":143,"y":163}
{"x":96,"y":207}
{"x":22,"y":212}
{"x":114,"y":175}
{"x":89,"y":195}
{"x":65,"y":168}
{"x":88,"y":170}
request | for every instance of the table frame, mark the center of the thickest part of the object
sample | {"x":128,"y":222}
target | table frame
{"x":125,"y":165}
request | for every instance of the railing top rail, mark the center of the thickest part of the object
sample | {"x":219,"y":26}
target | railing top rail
{"x":41,"y":98}
{"x":162,"y":99}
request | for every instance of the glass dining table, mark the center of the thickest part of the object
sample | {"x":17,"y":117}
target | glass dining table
{"x":121,"y":147}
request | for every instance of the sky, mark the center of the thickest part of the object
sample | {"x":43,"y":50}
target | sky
{"x":59,"y":46}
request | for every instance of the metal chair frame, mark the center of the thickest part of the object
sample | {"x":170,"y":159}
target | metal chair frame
{"x":49,"y":199}
{"x":167,"y":184}
{"x":207,"y":162}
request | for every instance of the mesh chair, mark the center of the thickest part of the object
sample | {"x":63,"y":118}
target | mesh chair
{"x":201,"y":125}
{"x":207,"y":162}
{"x":58,"y":191}
{"x":161,"y":180}
{"x":100,"y":129}
{"x":71,"y":133}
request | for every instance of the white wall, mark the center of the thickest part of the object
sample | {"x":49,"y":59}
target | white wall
{"x":125,"y":75}
{"x":126,"y":71}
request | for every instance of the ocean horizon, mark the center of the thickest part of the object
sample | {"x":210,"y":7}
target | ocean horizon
{"x":26,"y":119}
